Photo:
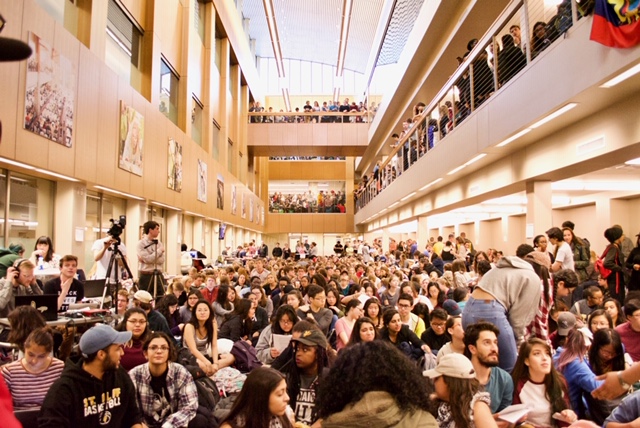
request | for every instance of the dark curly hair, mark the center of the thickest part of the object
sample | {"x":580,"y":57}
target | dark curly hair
{"x":372,"y":366}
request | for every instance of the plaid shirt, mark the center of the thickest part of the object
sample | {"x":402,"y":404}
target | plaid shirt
{"x":539,"y":326}
{"x":182,"y":390}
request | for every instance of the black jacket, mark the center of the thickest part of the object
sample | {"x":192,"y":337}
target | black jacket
{"x":78,"y":399}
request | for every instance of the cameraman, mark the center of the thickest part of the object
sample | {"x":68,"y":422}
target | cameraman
{"x":20,"y":281}
{"x":102,"y":252}
{"x":150,"y":257}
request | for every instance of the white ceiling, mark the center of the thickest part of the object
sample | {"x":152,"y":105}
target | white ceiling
{"x":309,"y":30}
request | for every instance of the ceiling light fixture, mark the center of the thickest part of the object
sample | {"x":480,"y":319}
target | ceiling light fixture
{"x":475,"y":159}
{"x":273,"y":33}
{"x":394,"y":204}
{"x":437,"y":180}
{"x":553,"y":115}
{"x":117,"y":192}
{"x":621,"y":77}
{"x":635,"y":161}
{"x":514,"y":137}
{"x":347,"y":7}
{"x":160,"y":204}
{"x":408,"y":196}
{"x":41,"y":170}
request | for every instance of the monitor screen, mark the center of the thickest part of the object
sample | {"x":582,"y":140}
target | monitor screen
{"x":222,"y":231}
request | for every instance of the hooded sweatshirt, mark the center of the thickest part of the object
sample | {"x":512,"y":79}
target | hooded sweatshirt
{"x":78,"y":399}
{"x":379,"y":409}
{"x":514,"y":284}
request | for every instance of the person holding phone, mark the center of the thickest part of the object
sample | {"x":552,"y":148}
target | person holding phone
{"x":20,"y":281}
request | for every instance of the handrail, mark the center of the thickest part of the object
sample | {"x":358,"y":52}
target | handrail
{"x":417,"y":135}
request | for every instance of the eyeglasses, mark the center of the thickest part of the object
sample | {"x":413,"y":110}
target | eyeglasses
{"x":154,"y":348}
{"x":404,"y":305}
{"x":438,"y":325}
{"x":137,"y":322}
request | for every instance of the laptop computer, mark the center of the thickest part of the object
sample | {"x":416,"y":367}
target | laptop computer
{"x":47,"y":304}
{"x":93,"y":287}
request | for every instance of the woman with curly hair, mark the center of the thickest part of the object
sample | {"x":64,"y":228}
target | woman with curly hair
{"x":614,"y":309}
{"x":396,"y":396}
{"x":539,"y":384}
{"x":455,"y":379}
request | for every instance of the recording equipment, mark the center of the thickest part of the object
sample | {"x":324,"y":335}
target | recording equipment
{"x":117,"y":227}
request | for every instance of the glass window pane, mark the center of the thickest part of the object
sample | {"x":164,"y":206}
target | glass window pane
{"x":30,"y":209}
{"x":168,"y":92}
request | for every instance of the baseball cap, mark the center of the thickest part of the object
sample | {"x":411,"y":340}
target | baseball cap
{"x":451,"y":307}
{"x":143,"y":296}
{"x":312,"y":337}
{"x":566,"y":321}
{"x":101,"y":336}
{"x":452,"y":365}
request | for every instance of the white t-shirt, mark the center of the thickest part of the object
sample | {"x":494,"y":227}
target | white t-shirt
{"x":565,"y":256}
{"x":103,"y":263}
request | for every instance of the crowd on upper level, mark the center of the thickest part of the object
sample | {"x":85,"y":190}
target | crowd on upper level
{"x":322,"y":201}
{"x":353,"y":113}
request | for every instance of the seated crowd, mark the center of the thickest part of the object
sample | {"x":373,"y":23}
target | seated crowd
{"x":403,"y":337}
{"x":322,"y":201}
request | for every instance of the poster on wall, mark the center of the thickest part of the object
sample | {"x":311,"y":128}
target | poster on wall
{"x":234,"y":202}
{"x":131,"y":139}
{"x":202,"y":181}
{"x":174,"y":172}
{"x":262,"y":215}
{"x":220,"y":199}
{"x":251,"y":210}
{"x":257,"y":213}
{"x":243,"y":207}
{"x":50,"y":93}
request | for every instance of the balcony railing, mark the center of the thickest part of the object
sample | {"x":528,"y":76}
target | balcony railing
{"x":480,"y":74}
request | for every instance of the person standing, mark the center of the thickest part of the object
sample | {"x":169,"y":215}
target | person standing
{"x":151,"y":256}
{"x":614,"y":261}
{"x":102,"y":253}
{"x":95,"y":391}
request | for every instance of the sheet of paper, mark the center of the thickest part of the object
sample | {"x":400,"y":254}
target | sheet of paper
{"x":514,"y":413}
{"x":281,"y":341}
{"x":363,"y":298}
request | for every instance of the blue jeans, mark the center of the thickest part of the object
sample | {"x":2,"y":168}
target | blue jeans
{"x":492,"y":311}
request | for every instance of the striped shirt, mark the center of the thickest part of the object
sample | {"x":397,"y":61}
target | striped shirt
{"x":28,"y":389}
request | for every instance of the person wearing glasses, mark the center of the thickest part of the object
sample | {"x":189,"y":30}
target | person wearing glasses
{"x":315,"y":310}
{"x":165,"y":391}
{"x":134,"y":321}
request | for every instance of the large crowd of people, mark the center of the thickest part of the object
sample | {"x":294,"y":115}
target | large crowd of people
{"x":322,"y":201}
{"x":345,"y":112}
{"x":442,"y":334}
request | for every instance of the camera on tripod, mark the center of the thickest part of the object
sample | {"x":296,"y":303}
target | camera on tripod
{"x":117,"y":226}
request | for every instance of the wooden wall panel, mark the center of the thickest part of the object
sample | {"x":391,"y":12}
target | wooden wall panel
{"x":108,"y":126}
{"x":10,"y":73}
{"x":87,"y":117}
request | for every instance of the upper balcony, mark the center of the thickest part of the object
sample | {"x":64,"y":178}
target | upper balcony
{"x":307,"y":134}
{"x":469,"y":145}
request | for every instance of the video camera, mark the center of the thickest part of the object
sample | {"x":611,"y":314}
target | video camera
{"x":117,"y":226}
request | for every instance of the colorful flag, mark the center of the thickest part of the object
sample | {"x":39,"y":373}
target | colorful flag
{"x":616,"y":23}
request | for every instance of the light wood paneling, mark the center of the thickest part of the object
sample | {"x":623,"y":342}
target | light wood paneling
{"x":87,"y":117}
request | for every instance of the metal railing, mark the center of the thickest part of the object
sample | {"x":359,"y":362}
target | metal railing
{"x":480,"y":73}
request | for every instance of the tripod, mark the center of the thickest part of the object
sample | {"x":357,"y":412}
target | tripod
{"x":112,"y":286}
{"x":156,"y":276}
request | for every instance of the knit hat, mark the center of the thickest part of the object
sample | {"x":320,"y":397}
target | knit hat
{"x":452,"y":365}
{"x":451,"y":307}
{"x":566,"y":321}
{"x":613,"y":234}
{"x":100,"y":337}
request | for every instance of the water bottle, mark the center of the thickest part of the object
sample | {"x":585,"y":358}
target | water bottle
{"x":40,"y":263}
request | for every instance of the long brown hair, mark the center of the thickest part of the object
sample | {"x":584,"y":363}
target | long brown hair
{"x":554,"y":385}
{"x":463,"y":390}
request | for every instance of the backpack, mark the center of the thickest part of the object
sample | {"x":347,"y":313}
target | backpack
{"x":208,"y":393}
{"x":245,"y":355}
{"x":603,"y":271}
